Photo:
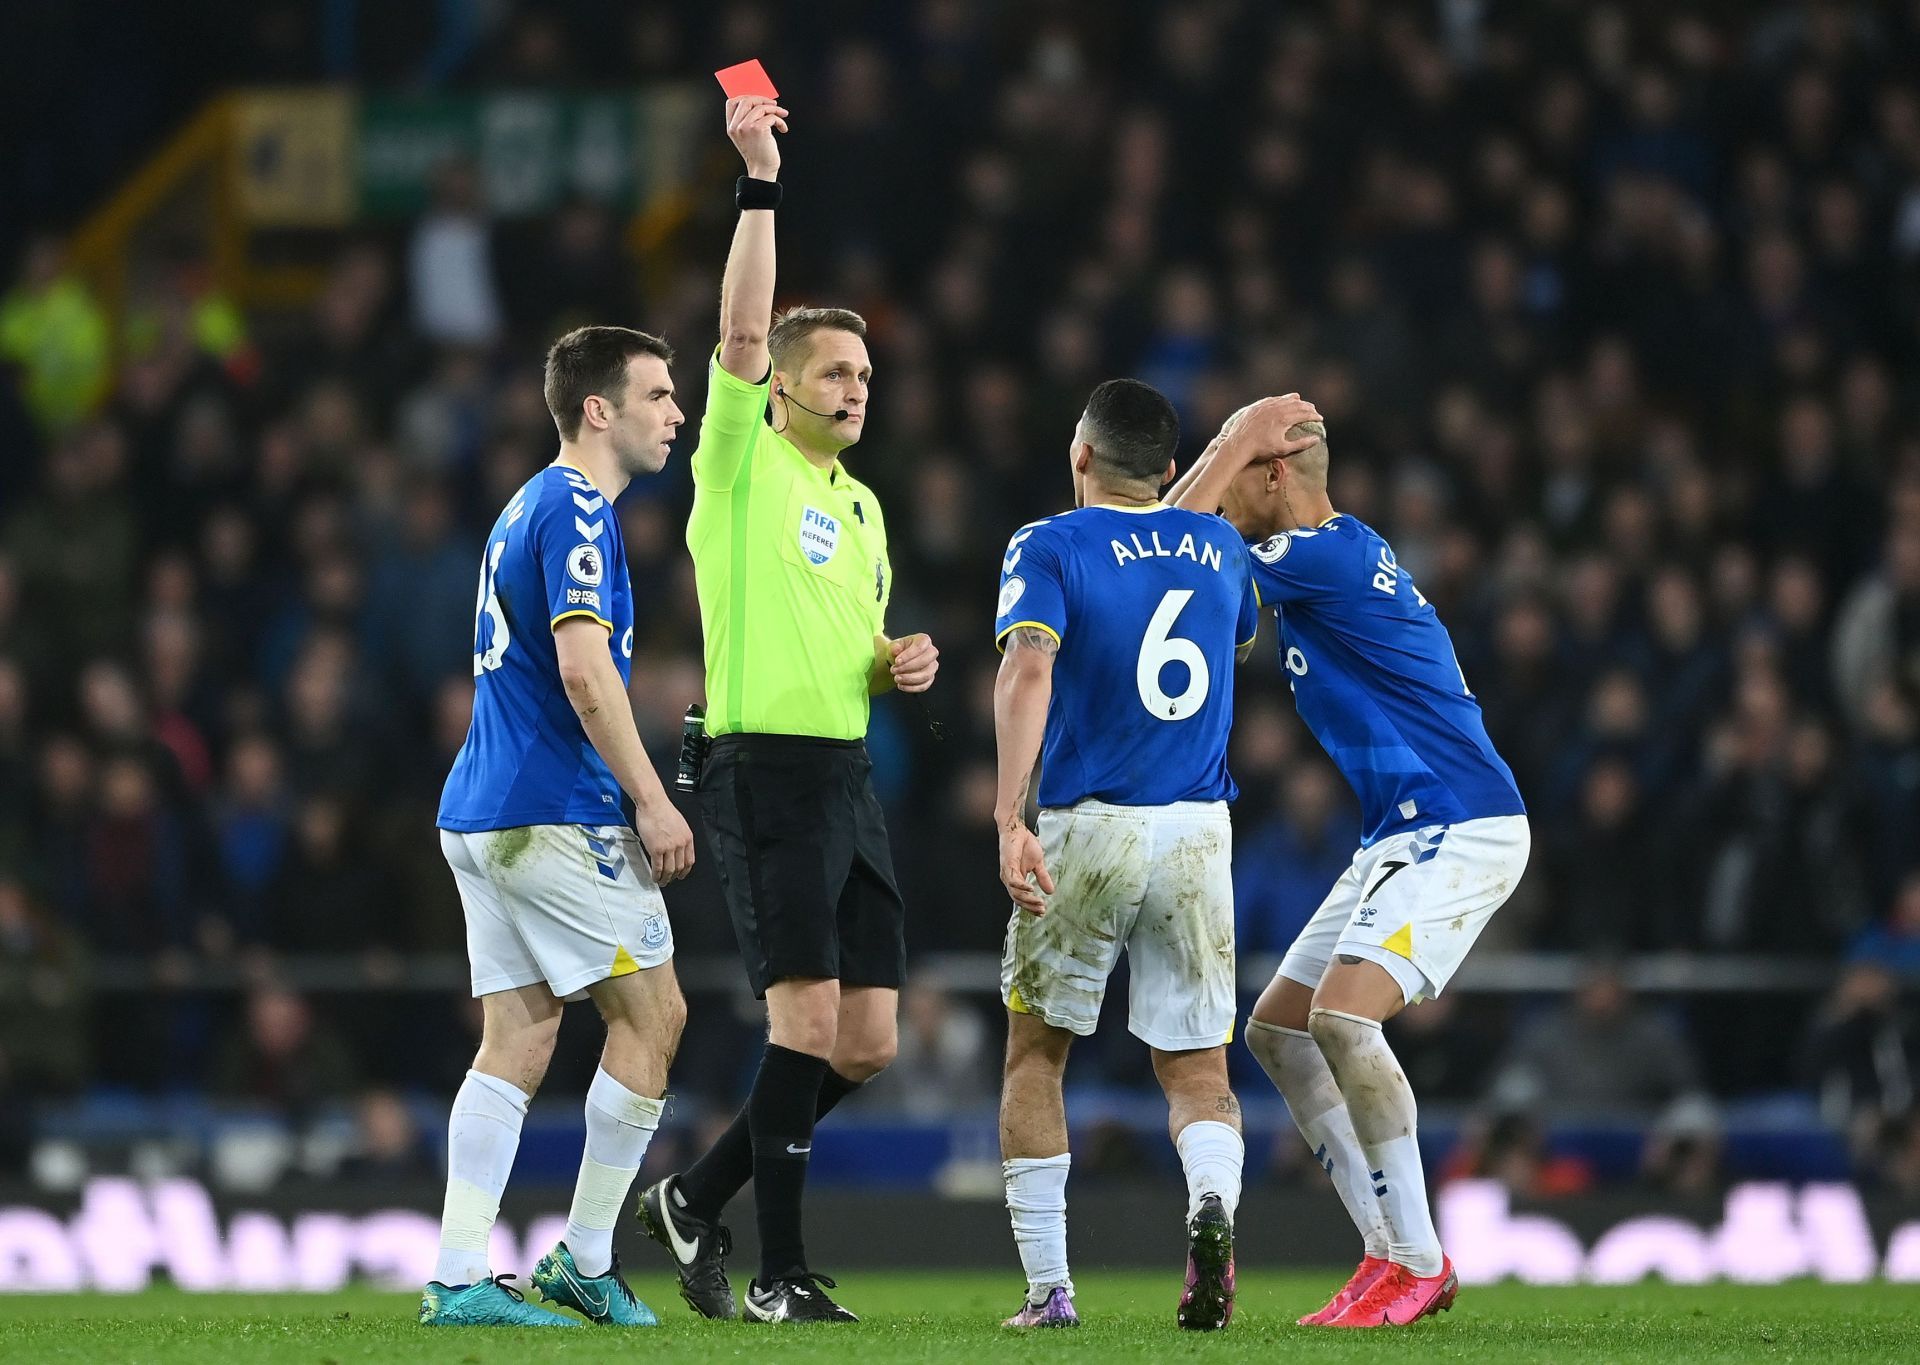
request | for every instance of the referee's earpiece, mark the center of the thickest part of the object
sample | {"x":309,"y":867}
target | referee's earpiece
{"x":838,"y":414}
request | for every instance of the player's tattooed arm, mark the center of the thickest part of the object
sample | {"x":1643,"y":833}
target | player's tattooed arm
{"x":1020,"y":697}
{"x":1032,"y":637}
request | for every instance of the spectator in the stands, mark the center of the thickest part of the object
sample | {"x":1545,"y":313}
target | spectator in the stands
{"x":1861,"y":1055}
{"x":950,"y":1063}
{"x":387,"y":1144}
{"x":51,"y":327}
{"x":1601,"y":1049}
{"x":1893,"y":943}
{"x":456,"y":295}
{"x":44,"y":989}
{"x":281,"y":1055}
{"x":1292,"y":861}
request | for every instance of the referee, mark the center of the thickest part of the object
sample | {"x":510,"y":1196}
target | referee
{"x":790,"y":555}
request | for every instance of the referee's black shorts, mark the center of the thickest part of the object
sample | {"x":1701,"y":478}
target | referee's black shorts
{"x":801,"y":848}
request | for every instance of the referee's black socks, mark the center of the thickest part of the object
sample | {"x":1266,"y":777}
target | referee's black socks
{"x":780,"y":1117}
{"x":709,"y":1183}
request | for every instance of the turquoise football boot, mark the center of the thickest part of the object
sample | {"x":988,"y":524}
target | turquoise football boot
{"x":604,"y":1299}
{"x":490,"y":1303}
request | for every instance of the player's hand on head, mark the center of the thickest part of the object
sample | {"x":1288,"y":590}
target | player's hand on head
{"x":1227,"y":429}
{"x":752,"y":121}
{"x":1261,"y":429}
{"x":667,"y":838}
{"x":915,"y":662}
{"x":1023,"y":868}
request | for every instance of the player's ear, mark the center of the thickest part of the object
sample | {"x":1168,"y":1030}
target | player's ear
{"x":1173,"y":472}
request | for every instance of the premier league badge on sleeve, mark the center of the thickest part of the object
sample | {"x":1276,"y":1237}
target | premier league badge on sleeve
{"x":585,"y":564}
{"x":1010,"y":593}
{"x":1273,"y":549}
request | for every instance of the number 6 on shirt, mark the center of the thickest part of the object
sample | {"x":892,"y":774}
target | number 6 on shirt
{"x":1161,"y":647}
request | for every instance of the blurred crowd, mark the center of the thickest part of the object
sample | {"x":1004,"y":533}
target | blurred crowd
{"x":1613,"y":310}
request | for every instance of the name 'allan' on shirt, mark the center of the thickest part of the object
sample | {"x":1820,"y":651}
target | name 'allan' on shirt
{"x":1203,"y":554}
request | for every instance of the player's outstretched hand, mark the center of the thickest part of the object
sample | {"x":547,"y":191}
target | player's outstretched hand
{"x":915,"y":661}
{"x":1023,"y":867}
{"x":667,"y":839}
{"x":751,"y":122}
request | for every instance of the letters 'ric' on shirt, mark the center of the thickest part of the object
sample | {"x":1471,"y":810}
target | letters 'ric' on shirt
{"x":1375,"y":678}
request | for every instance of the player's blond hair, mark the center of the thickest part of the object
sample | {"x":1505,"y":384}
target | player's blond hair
{"x":1309,"y":465}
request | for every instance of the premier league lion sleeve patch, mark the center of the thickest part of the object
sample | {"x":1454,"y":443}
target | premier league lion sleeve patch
{"x":575,"y":543}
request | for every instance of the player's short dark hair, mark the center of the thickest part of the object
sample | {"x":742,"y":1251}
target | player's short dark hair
{"x":1132,"y":428}
{"x":790,"y":339}
{"x":593,"y":360}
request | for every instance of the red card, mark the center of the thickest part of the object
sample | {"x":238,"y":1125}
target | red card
{"x":748,"y":78}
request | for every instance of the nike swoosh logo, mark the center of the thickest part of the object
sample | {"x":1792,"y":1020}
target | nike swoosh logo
{"x":591,"y":1306}
{"x":684,"y":1251}
{"x":798,"y":1151}
{"x":776,"y":1315}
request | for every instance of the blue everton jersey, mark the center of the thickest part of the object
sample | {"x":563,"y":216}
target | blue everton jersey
{"x":554,"y":553}
{"x":1375,"y":678}
{"x":1149,"y":605}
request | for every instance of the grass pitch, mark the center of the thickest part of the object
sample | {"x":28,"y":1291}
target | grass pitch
{"x":1129,"y":1317}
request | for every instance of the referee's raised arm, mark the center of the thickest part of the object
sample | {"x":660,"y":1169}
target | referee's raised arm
{"x":746,"y":290}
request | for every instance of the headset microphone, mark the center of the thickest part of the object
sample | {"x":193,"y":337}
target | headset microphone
{"x":838,"y":414}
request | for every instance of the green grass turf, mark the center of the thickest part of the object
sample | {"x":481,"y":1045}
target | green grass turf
{"x":1129,"y":1317}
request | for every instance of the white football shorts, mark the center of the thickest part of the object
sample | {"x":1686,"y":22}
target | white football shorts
{"x":1154,"y":880}
{"x":569,"y":905}
{"x":1414,"y":903}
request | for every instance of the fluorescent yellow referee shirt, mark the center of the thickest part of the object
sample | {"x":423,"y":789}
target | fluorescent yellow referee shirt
{"x":791,"y":563}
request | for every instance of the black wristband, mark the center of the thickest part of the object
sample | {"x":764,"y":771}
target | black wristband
{"x":749,"y":193}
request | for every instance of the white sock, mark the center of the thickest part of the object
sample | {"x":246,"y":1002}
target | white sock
{"x":1212,"y":1154}
{"x":620,"y":1124}
{"x":1381,"y":1104}
{"x":483,"y":1135}
{"x":1293,"y":1062}
{"x":1037,"y":1202}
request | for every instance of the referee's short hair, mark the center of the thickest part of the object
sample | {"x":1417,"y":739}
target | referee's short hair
{"x":790,"y":339}
{"x":593,"y":360}
{"x":1132,"y":428}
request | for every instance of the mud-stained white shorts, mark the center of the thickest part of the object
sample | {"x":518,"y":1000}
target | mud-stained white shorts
{"x":569,"y":905}
{"x":1414,"y":903}
{"x":1156,"y":881}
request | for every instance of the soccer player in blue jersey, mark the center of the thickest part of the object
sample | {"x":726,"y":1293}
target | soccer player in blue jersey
{"x":559,"y":876}
{"x":1444,"y":842}
{"x":1120,"y":622}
